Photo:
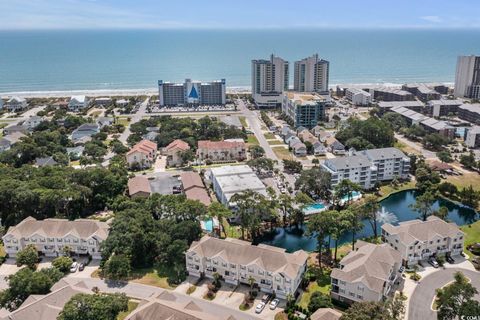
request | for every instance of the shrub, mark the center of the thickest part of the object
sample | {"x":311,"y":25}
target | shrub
{"x":62,"y":263}
{"x":28,"y":256}
{"x":191,"y":289}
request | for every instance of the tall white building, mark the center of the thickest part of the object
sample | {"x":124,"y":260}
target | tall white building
{"x":269,"y":80}
{"x":191,"y":92}
{"x":467,"y":77}
{"x":311,"y":75}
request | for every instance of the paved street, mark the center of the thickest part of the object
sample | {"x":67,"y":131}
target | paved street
{"x":422,"y":297}
{"x":426,"y":153}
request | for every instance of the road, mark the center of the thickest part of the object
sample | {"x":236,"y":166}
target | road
{"x":254,"y":122}
{"x":422,"y":298}
{"x":426,"y":153}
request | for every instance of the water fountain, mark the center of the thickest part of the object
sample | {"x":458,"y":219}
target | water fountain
{"x":384,"y":216}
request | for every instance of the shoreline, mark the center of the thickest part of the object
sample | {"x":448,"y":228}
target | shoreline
{"x":154,"y":91}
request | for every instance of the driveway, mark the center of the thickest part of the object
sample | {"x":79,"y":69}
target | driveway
{"x":421,"y":300}
{"x":9,"y":267}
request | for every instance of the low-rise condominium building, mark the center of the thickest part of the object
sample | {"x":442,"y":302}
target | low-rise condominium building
{"x":236,"y":261}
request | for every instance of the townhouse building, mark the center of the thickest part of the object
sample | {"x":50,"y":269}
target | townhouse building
{"x":50,"y":236}
{"x":142,"y":154}
{"x":174,"y":152}
{"x":227,"y":150}
{"x":273,"y":269}
{"x":367,"y":274}
{"x":418,"y":240}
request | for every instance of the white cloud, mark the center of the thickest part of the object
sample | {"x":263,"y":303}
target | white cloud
{"x":434,"y":19}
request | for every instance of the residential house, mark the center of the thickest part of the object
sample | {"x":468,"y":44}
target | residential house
{"x":85,"y":130}
{"x":122,"y":103}
{"x":194,"y":188}
{"x":45,"y":162}
{"x":221,"y":150}
{"x":50,"y":236}
{"x":139,"y":186}
{"x":230,"y":180}
{"x":142,"y":154}
{"x":237,"y":261}
{"x":319,"y":149}
{"x":78,"y":103}
{"x":174,"y":152}
{"x":15,"y":128}
{"x":32,"y":122}
{"x":367,"y":274}
{"x":9,"y":140}
{"x":418,"y":240}
{"x":15,"y":104}
{"x":104,"y":121}
{"x":334,"y":146}
{"x":152,"y":136}
{"x":299,"y":149}
{"x":103,"y":102}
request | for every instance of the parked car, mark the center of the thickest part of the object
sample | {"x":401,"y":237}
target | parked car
{"x":259,"y":308}
{"x":402,"y":269}
{"x":450,"y":259}
{"x":266,"y":297}
{"x":433,"y":262}
{"x":274,"y":304}
{"x":73,"y":267}
{"x":81,"y":266}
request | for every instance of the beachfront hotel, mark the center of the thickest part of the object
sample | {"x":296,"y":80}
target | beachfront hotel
{"x":269,"y":80}
{"x":191,"y":93}
{"x":273,"y":269}
{"x":311,"y":75}
{"x":467,"y":77}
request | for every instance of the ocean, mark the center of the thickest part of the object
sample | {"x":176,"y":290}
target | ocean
{"x":136,"y":59}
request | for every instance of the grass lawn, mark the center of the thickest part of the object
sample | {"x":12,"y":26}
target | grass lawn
{"x":232,"y":231}
{"x":275,"y":142}
{"x":132,"y":305}
{"x":152,"y":277}
{"x":386,"y":190}
{"x":252,"y":140}
{"x":321,"y":285}
{"x":282,"y":153}
{"x":2,"y":251}
{"x":407,"y":149}
{"x":269,"y":135}
{"x":123,"y":121}
{"x":243,"y":121}
{"x":465,"y":180}
{"x":472,"y":235}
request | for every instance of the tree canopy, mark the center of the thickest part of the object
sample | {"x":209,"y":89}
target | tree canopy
{"x":99,"y":306}
{"x":366,"y":134}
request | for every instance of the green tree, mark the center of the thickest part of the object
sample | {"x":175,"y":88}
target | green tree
{"x":447,"y":188}
{"x":456,"y":300}
{"x":321,"y":225}
{"x":292,"y":166}
{"x":216,"y":209}
{"x":442,"y":213}
{"x":366,"y":311}
{"x":26,"y":282}
{"x":371,"y":132}
{"x":425,"y":178}
{"x":101,"y":306}
{"x":345,"y":189}
{"x":444,"y":156}
{"x":435,"y":141}
{"x":256,"y":151}
{"x":319,"y":300}
{"x":469,"y":197}
{"x":62,"y":263}
{"x":117,"y":267}
{"x":353,"y":222}
{"x":261,"y":164}
{"x":28,"y":256}
{"x":315,"y":182}
{"x":250,"y":206}
{"x":423,"y":204}
{"x":369,"y":211}
{"x":468,"y":160}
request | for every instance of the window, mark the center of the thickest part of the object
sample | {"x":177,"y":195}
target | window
{"x":233,"y":265}
{"x":189,"y":257}
{"x":250,"y":270}
{"x":224,"y":265}
{"x":360,"y":297}
{"x":242,"y":267}
{"x":351,"y":294}
{"x":260,"y":272}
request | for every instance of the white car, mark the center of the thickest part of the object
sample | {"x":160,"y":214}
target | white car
{"x":274,"y":304}
{"x":259,"y":308}
{"x":73,"y":267}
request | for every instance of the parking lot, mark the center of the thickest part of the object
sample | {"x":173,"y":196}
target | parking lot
{"x":230,"y":295}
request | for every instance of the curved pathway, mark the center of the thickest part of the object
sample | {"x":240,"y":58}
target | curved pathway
{"x":422,"y":297}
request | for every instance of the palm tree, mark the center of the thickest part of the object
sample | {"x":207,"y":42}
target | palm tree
{"x":345,"y":189}
{"x":369,"y":211}
{"x":285,"y":203}
{"x":353,"y":222}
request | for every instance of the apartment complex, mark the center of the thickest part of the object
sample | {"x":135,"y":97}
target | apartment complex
{"x":358,"y":97}
{"x":442,"y":107}
{"x":467,"y":77}
{"x":386,"y":106}
{"x":472,"y":137}
{"x":227,"y":150}
{"x":191,"y":93}
{"x":311,"y":75}
{"x":421,"y":91}
{"x":230,"y":180}
{"x":50,"y":236}
{"x":470,"y":112}
{"x":366,"y":274}
{"x":237,"y":261}
{"x":418,"y":240}
{"x":391,"y":94}
{"x":369,"y":166}
{"x":430,"y":124}
{"x":305,"y":109}
{"x":269,"y":80}
{"x":142,"y":154}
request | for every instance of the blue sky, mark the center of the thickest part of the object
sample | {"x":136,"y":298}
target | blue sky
{"x":227,"y":14}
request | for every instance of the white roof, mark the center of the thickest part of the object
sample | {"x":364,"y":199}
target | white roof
{"x":236,"y":179}
{"x":79,"y":99}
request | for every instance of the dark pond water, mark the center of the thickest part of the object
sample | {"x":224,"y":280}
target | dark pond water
{"x":395,"y":209}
